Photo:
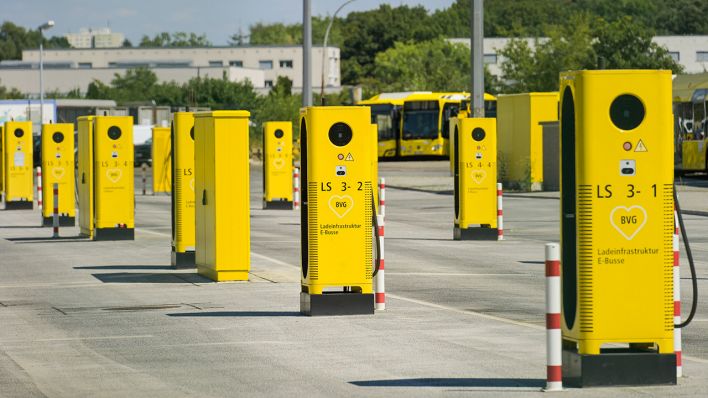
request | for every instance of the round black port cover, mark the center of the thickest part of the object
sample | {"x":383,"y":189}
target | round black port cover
{"x":114,"y":132}
{"x":478,"y":134}
{"x":279,"y":133}
{"x":340,"y":134}
{"x":58,"y":137}
{"x":19,"y":133}
{"x":627,"y":112}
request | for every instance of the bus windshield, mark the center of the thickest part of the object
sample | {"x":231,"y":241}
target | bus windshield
{"x":421,"y":120}
{"x":381,"y":115}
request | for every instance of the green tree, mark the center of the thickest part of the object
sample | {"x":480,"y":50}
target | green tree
{"x":137,"y":84}
{"x":176,"y":39}
{"x":12,"y":93}
{"x":14,"y":39}
{"x":435,"y":65}
{"x":98,"y":90}
{"x":127,"y":44}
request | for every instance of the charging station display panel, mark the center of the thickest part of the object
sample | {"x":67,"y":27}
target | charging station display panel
{"x":617,"y":210}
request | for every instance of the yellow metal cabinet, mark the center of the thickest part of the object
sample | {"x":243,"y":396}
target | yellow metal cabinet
{"x":114,"y":195}
{"x":85,"y":175}
{"x":617,"y":216}
{"x":183,"y":193}
{"x":278,"y":165}
{"x":337,"y":212}
{"x":58,"y":167}
{"x":521,"y":136}
{"x":475,"y":179}
{"x":161,"y":160}
{"x":222,"y":195}
{"x":18,"y":151}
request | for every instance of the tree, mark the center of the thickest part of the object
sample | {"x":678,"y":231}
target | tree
{"x":14,"y":39}
{"x":137,"y":84}
{"x":12,"y":93}
{"x":176,"y":39}
{"x":127,"y":44}
{"x":98,"y":90}
{"x":435,"y":65}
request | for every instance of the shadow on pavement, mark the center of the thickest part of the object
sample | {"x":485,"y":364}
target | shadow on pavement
{"x":127,"y":267}
{"x":20,"y":226}
{"x":532,"y":262}
{"x":49,"y":239}
{"x":144,"y":277}
{"x":453,"y":382}
{"x":245,"y":314}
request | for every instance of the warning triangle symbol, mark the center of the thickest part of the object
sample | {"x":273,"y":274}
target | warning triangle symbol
{"x":349,"y":157}
{"x":640,"y":147}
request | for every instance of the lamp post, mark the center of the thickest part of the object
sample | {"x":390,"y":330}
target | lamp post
{"x":42,"y":28}
{"x":324,"y":48}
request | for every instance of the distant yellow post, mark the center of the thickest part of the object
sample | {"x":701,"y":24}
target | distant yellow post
{"x":58,"y":167}
{"x":278,"y":165}
{"x":222,"y":195}
{"x":161,"y":160}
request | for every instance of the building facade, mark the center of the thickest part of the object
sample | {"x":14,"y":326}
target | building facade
{"x":95,"y":38}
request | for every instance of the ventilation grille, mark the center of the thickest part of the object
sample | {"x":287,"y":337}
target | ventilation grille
{"x":368,"y":216}
{"x":668,"y":261}
{"x":585,"y":258}
{"x":313,"y":231}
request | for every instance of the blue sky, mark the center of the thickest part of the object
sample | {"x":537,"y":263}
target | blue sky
{"x":218,"y":19}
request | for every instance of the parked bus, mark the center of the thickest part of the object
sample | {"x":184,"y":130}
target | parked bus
{"x":691,"y":134}
{"x":425,"y":122}
{"x":386,"y":114}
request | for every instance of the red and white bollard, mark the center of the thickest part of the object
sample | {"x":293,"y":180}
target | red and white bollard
{"x":39,"y":188}
{"x":296,"y":188}
{"x":144,"y":169}
{"x":379,"y":279}
{"x":382,"y":197}
{"x":554,"y":379}
{"x":500,"y":213}
{"x":55,"y":216}
{"x":677,"y":299}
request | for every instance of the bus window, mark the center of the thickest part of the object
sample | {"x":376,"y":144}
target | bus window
{"x":385,"y":127}
{"x":449,"y":110}
{"x":490,"y":108}
{"x":421,"y":120}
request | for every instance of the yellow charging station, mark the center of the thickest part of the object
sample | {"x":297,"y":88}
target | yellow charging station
{"x":2,"y":163}
{"x":161,"y":160}
{"x":221,"y":156}
{"x":183,"y":192}
{"x":18,"y":186}
{"x":58,"y":167}
{"x":375,"y":166}
{"x":475,"y":179}
{"x":85,"y":175}
{"x":337,"y":211}
{"x":278,"y":165}
{"x":617,"y":222}
{"x":114,"y":195}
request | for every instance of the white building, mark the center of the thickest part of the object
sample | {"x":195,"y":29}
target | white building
{"x":95,"y":38}
{"x":691,"y":52}
{"x":68,"y":69}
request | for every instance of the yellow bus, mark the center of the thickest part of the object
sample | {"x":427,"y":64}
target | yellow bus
{"x":386,"y":114}
{"x":691,"y":134}
{"x":425,"y":121}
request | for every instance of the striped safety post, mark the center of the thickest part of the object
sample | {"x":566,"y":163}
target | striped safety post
{"x":500,"y":213}
{"x":144,"y":168}
{"x":677,"y":299}
{"x":55,"y":215}
{"x":296,"y":188}
{"x":39,"y":187}
{"x":379,"y":279}
{"x":382,"y":197}
{"x":554,"y":380}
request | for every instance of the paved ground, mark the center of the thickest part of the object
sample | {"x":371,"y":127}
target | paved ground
{"x":92,"y":319}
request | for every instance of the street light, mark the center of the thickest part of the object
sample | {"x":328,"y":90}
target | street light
{"x":324,"y":48}
{"x":42,"y":28}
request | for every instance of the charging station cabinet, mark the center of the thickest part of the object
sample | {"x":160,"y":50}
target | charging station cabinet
{"x":278,"y":165}
{"x":114,"y":185}
{"x":475,"y":179}
{"x":337,"y":211}
{"x":183,"y":222}
{"x":58,"y":167}
{"x":617,"y":223}
{"x":18,"y":187}
{"x":161,"y":160}
{"x":221,"y":154}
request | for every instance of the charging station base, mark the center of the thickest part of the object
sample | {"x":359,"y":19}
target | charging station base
{"x":475,"y":233}
{"x":618,"y":367}
{"x":336,"y":303}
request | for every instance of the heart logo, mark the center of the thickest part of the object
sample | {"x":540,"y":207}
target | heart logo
{"x":114,"y":175}
{"x":478,"y":176}
{"x":628,"y":221}
{"x":58,"y":172}
{"x":341,"y":205}
{"x":279,"y":163}
{"x":191,"y":184}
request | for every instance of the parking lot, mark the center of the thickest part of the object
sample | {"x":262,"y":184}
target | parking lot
{"x":81,"y":318}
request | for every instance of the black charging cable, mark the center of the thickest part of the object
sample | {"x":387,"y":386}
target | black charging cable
{"x":376,"y":234}
{"x":689,"y":254}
